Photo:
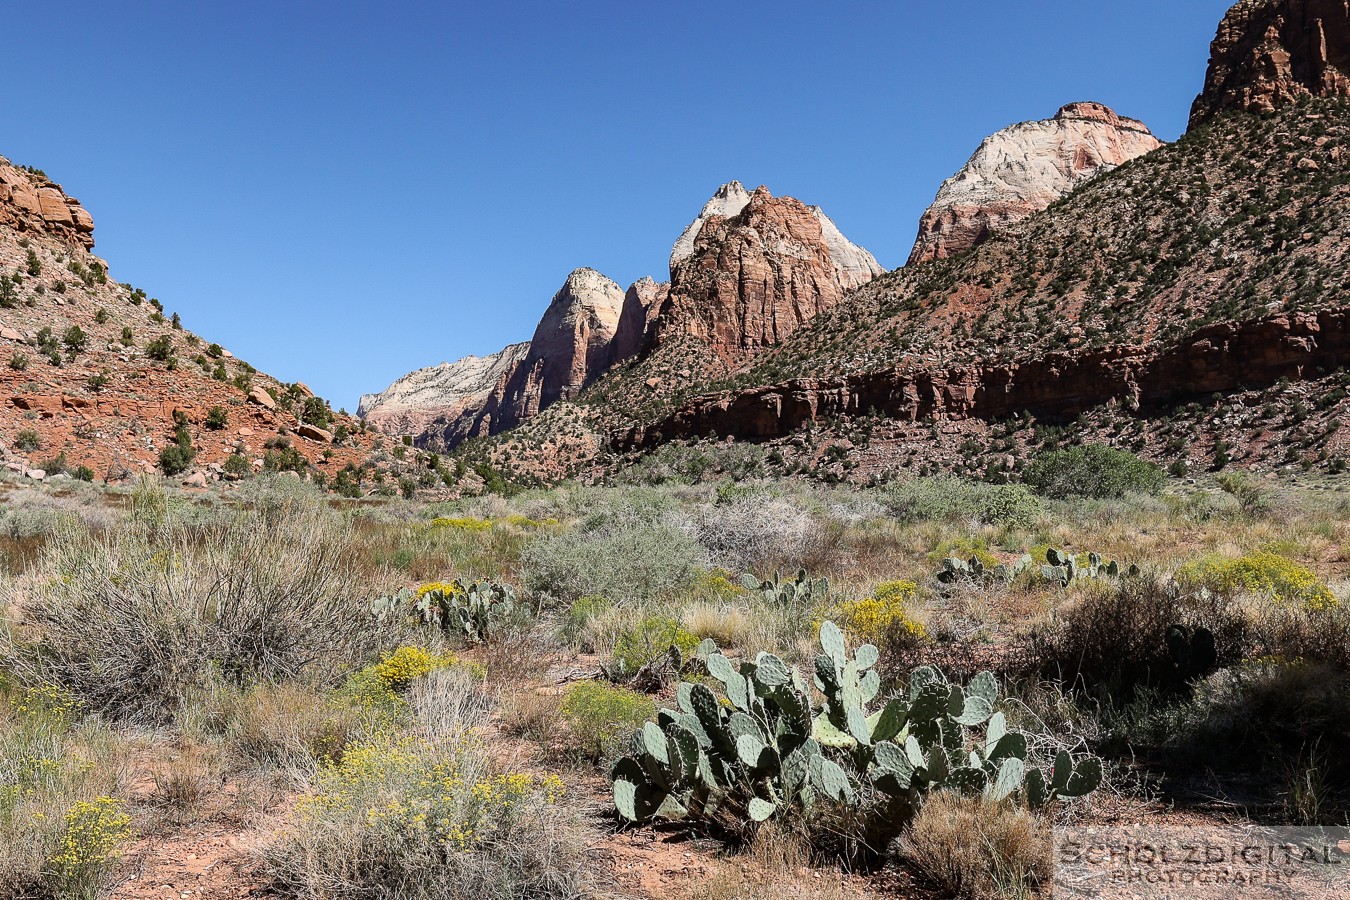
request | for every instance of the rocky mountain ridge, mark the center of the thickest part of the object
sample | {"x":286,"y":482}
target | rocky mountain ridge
{"x":1023,"y":169}
{"x":1269,"y":53}
{"x":747,"y":272}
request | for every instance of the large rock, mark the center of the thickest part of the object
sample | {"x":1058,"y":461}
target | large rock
{"x":1021,"y":170}
{"x":30,"y":203}
{"x":1268,"y":53}
{"x":754,"y":278}
{"x":854,"y":265}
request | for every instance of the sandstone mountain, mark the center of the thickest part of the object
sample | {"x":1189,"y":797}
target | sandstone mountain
{"x":1272,"y":52}
{"x":753,"y":278}
{"x":446,"y":392}
{"x":1023,"y":169}
{"x":747,"y":272}
{"x":853,"y":264}
{"x":1189,"y":305}
{"x":96,"y":379}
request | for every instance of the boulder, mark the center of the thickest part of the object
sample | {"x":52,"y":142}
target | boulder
{"x":262,"y":398}
{"x":314,"y":433}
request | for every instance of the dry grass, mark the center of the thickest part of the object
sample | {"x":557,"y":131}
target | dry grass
{"x":728,"y":625}
{"x":532,"y":714}
{"x":185,"y":776}
{"x":775,"y":866}
{"x":971,"y":848}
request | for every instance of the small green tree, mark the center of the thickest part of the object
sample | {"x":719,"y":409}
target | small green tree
{"x":75,"y":340}
{"x":1094,"y":471}
{"x":217,"y":418}
{"x":161,"y":348}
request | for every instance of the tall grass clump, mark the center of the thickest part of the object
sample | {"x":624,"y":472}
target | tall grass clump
{"x":61,"y":824}
{"x":427,"y":814}
{"x":132,"y":619}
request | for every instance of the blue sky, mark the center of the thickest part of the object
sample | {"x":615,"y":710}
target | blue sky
{"x":341,"y":192}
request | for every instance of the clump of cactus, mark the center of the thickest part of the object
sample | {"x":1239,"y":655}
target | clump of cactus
{"x":955,"y":570}
{"x":470,"y":612}
{"x":800,"y":590}
{"x":771,"y":749}
{"x":1193,"y":652}
{"x":1063,"y":569}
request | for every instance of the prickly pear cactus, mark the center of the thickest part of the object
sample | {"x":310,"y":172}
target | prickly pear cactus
{"x":800,"y":590}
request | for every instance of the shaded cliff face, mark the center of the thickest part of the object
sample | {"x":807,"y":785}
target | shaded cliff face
{"x":752,"y":279}
{"x":1023,"y":169}
{"x":641,"y":305}
{"x":1269,"y":53}
{"x":453,"y":393}
{"x":30,"y":204}
{"x":572,"y":345}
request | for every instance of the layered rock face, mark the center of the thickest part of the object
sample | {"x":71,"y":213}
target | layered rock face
{"x":30,"y":204}
{"x":1219,"y":358}
{"x":854,"y":265}
{"x":755,"y":277}
{"x":572,"y":345}
{"x":1021,"y":170}
{"x":641,"y":305}
{"x":1269,"y":53}
{"x":445,"y":392}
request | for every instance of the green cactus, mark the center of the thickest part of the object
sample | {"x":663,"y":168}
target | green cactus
{"x":469,"y":612}
{"x":1062,"y":568}
{"x":1193,"y":652}
{"x":955,"y":571}
{"x":768,"y":751}
{"x":800,"y":590}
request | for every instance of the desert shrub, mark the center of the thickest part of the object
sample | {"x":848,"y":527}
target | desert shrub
{"x":1115,"y":635}
{"x":27,"y":440}
{"x":972,"y":847}
{"x":625,"y":559}
{"x":756,"y":531}
{"x":602,"y":716}
{"x":236,"y":466}
{"x":939,"y":498}
{"x":161,"y":348}
{"x":60,"y":825}
{"x":1010,"y":504}
{"x":289,"y":723}
{"x":1095,"y":471}
{"x":1263,"y":574}
{"x":646,"y":640}
{"x":579,"y":615}
{"x":129,"y":618}
{"x":217,"y":418}
{"x":885,"y":617}
{"x":462,"y":523}
{"x":427,"y":816}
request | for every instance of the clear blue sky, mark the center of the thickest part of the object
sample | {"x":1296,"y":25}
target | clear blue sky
{"x":341,"y":192}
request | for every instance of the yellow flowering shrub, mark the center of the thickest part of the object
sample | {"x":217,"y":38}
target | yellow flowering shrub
{"x":94,"y":832}
{"x":602,"y":716}
{"x":462,"y":523}
{"x":1266,"y":574}
{"x":449,"y":588}
{"x":375,"y":689}
{"x":884,"y":617}
{"x":407,"y":789}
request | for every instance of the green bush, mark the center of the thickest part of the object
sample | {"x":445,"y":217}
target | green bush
{"x":27,"y":440}
{"x":1094,"y":471}
{"x":1010,"y":504}
{"x":602,"y":717}
{"x":638,"y":561}
{"x":217,"y":418}
{"x":161,"y":348}
{"x":647,"y":640}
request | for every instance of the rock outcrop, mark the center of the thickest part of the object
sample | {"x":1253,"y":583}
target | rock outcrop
{"x":31,"y":204}
{"x":1023,"y":169}
{"x":1058,"y":386}
{"x":757,"y":276}
{"x":445,"y":392}
{"x":1269,"y":53}
{"x":641,"y":305}
{"x":854,"y":265}
{"x":572,"y":345}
